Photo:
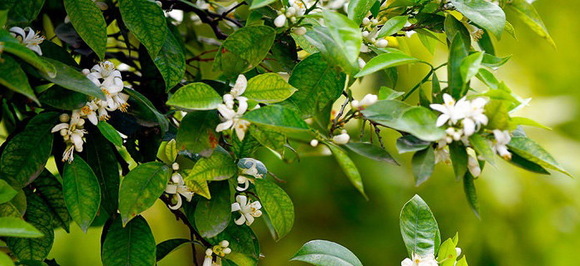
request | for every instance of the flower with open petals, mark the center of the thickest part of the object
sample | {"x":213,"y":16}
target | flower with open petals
{"x":72,"y":131}
{"x":450,"y":110}
{"x":502,"y":138}
{"x":474,"y":116}
{"x":232,"y":118}
{"x":428,"y":260}
{"x":247,"y":209}
{"x":28,"y":37}
{"x":176,"y":188}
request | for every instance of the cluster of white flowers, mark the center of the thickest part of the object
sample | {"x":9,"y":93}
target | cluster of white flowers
{"x":28,"y":37}
{"x":177,"y":188}
{"x":294,"y":10}
{"x":427,"y":260}
{"x":502,"y":138}
{"x":231,"y":115}
{"x":219,"y":250}
{"x":71,"y":129}
{"x":249,"y":167}
{"x":248,"y":210}
{"x":370,"y":30}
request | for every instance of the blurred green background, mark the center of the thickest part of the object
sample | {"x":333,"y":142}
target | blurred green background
{"x":526,"y":219}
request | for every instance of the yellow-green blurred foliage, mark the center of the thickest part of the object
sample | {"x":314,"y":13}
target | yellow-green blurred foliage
{"x":526,"y":219}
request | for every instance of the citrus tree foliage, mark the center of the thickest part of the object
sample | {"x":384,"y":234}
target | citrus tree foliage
{"x":138,"y":101}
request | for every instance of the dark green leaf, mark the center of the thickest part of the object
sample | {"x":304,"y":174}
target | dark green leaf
{"x":371,"y":151}
{"x":385,"y":60}
{"x":527,"y":165}
{"x":532,"y":151}
{"x":270,"y":139}
{"x":171,"y":62}
{"x":459,"y":159}
{"x":13,"y":77}
{"x":423,"y":165}
{"x":168,"y":246}
{"x":145,"y":109}
{"x":485,"y":14}
{"x":243,"y":243}
{"x":419,"y":228}
{"x":471,"y":193}
{"x":457,"y":54}
{"x":70,"y":78}
{"x":346,"y":34}
{"x":219,"y":166}
{"x":410,"y":143}
{"x":141,"y":187}
{"x":61,"y":98}
{"x":101,"y":157}
{"x":268,"y":88}
{"x":195,"y":96}
{"x":89,"y":23}
{"x":25,"y":11}
{"x":110,"y":133}
{"x":16,"y":227}
{"x":278,"y":205}
{"x":196,"y":132}
{"x":330,"y":49}
{"x":82,"y":192}
{"x":348,"y":167}
{"x":213,"y":216}
{"x":146,"y":20}
{"x":30,"y":57}
{"x":322,"y":252}
{"x":133,"y":244}
{"x":50,"y":190}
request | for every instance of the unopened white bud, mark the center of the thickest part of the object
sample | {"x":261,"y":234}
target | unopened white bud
{"x":224,"y":243}
{"x":175,"y":166}
{"x":382,"y":43}
{"x":361,"y":62}
{"x":159,"y":3}
{"x":365,"y":34}
{"x":63,"y":132}
{"x":64,"y":118}
{"x":81,"y":123}
{"x":314,"y":142}
{"x":342,"y":138}
{"x":299,"y":31}
{"x":86,"y":71}
{"x":366,"y":21}
{"x":280,"y":21}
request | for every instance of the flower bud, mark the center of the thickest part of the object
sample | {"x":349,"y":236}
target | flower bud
{"x":64,"y":118}
{"x":382,"y":43}
{"x":280,"y":21}
{"x":314,"y":142}
{"x":299,"y":31}
{"x":366,"y":21}
{"x":342,"y":138}
{"x":175,"y":166}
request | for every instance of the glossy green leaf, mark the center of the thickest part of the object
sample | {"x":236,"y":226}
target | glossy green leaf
{"x":196,"y":132}
{"x":419,"y":228}
{"x":423,"y":163}
{"x":528,"y":14}
{"x":25,"y":155}
{"x":13,"y":77}
{"x":110,"y":133}
{"x":146,"y":20}
{"x":385,"y":60}
{"x":488,"y":78}
{"x":358,"y":9}
{"x":270,"y":139}
{"x":483,"y":147}
{"x":132,"y":244}
{"x":318,"y":83}
{"x":346,"y":33}
{"x":16,"y":227}
{"x":6,"y":260}
{"x":168,"y":246}
{"x":36,"y":215}
{"x":50,"y":190}
{"x":6,"y":192}
{"x":260,"y":3}
{"x":371,"y":151}
{"x":493,"y":61}
{"x":386,"y":93}
{"x":470,"y":66}
{"x":141,"y":187}
{"x":25,"y":11}
{"x":145,"y":109}
{"x":195,"y":96}
{"x":471,"y":193}
{"x":61,"y":98}
{"x":330,"y":48}
{"x":497,"y":114}
{"x":348,"y":166}
{"x":322,"y":252}
{"x":524,"y":121}
{"x":171,"y":62}
{"x":459,"y":159}
{"x":243,"y":243}
{"x":89,"y":23}
{"x":71,"y":79}
{"x":82,"y":193}
{"x":278,"y":206}
{"x":410,"y":143}
{"x":278,"y":118}
{"x":485,"y":14}
{"x":30,"y":57}
{"x":268,"y":88}
{"x":532,"y":151}
{"x":219,"y":166}
{"x":213,"y":216}
{"x":457,"y":54}
{"x":519,"y":161}
{"x":101,"y":157}
{"x":392,"y":26}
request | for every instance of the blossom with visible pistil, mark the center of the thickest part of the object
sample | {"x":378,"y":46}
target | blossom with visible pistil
{"x":28,"y":37}
{"x":247,"y":209}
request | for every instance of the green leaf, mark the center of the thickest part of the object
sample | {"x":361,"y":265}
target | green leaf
{"x":447,"y":254}
{"x":171,"y":62}
{"x":146,"y":20}
{"x":196,"y":132}
{"x":260,"y":3}
{"x":386,"y":93}
{"x":141,"y":187}
{"x":419,"y":228}
{"x":168,"y":246}
{"x":371,"y":151}
{"x":385,"y":60}
{"x":497,"y":112}
{"x":100,"y":155}
{"x":358,"y":9}
{"x":483,"y":147}
{"x":25,"y":11}
{"x":527,"y":165}
{"x":322,"y":252}
{"x":331,"y":44}
{"x":70,"y":78}
{"x":89,"y":23}
{"x":410,"y":143}
{"x":243,"y":243}
{"x":61,"y":98}
{"x":16,"y":227}
{"x":423,"y":165}
{"x":493,"y":61}
{"x":82,"y":193}
{"x":392,"y":26}
{"x":268,"y":88}
{"x":50,"y":190}
{"x":142,"y":107}
{"x":5,"y":259}
{"x":110,"y":133}
{"x":133,"y":244}
{"x":213,"y":216}
{"x":348,"y":167}
{"x":347,"y":35}
{"x":471,"y":193}
{"x":25,"y":155}
{"x":459,"y":159}
{"x":470,"y":66}
{"x":318,"y":84}
{"x":524,"y":121}
{"x":219,"y":166}
{"x":36,"y":215}
{"x":278,"y":118}
{"x":270,"y":139}
{"x":195,"y":96}
{"x":457,"y":54}
{"x":13,"y":77}
{"x":6,"y":192}
{"x":485,"y":14}
{"x":528,"y":14}
{"x":30,"y":57}
{"x":532,"y":151}
{"x":278,"y":206}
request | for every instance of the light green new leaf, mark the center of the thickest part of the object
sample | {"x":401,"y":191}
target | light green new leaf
{"x":25,"y":155}
{"x":219,"y":166}
{"x":470,"y":66}
{"x":392,"y":26}
{"x":345,"y":33}
{"x":524,"y":121}
{"x":322,"y":253}
{"x":110,"y":133}
{"x":348,"y":167}
{"x":82,"y":193}
{"x":4,"y":258}
{"x":168,"y":246}
{"x":419,"y":228}
{"x":528,"y":14}
{"x":497,"y":112}
{"x":74,"y":80}
{"x":171,"y":62}
{"x":213,"y":216}
{"x":16,"y":227}
{"x":260,"y":3}
{"x":385,"y":60}
{"x":195,"y":96}
{"x":6,"y":192}
{"x":532,"y":151}
{"x":13,"y":77}
{"x":278,"y":206}
{"x":146,"y":20}
{"x":51,"y":192}
{"x":89,"y":23}
{"x":358,"y":9}
{"x":268,"y":88}
{"x":485,"y":14}
{"x":483,"y":147}
{"x":30,"y":57}
{"x":133,"y":244}
{"x":423,"y":162}
{"x":447,"y":255}
{"x":141,"y":187}
{"x":277,"y":117}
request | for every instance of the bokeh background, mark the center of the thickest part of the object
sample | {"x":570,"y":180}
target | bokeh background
{"x":526,"y":218}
